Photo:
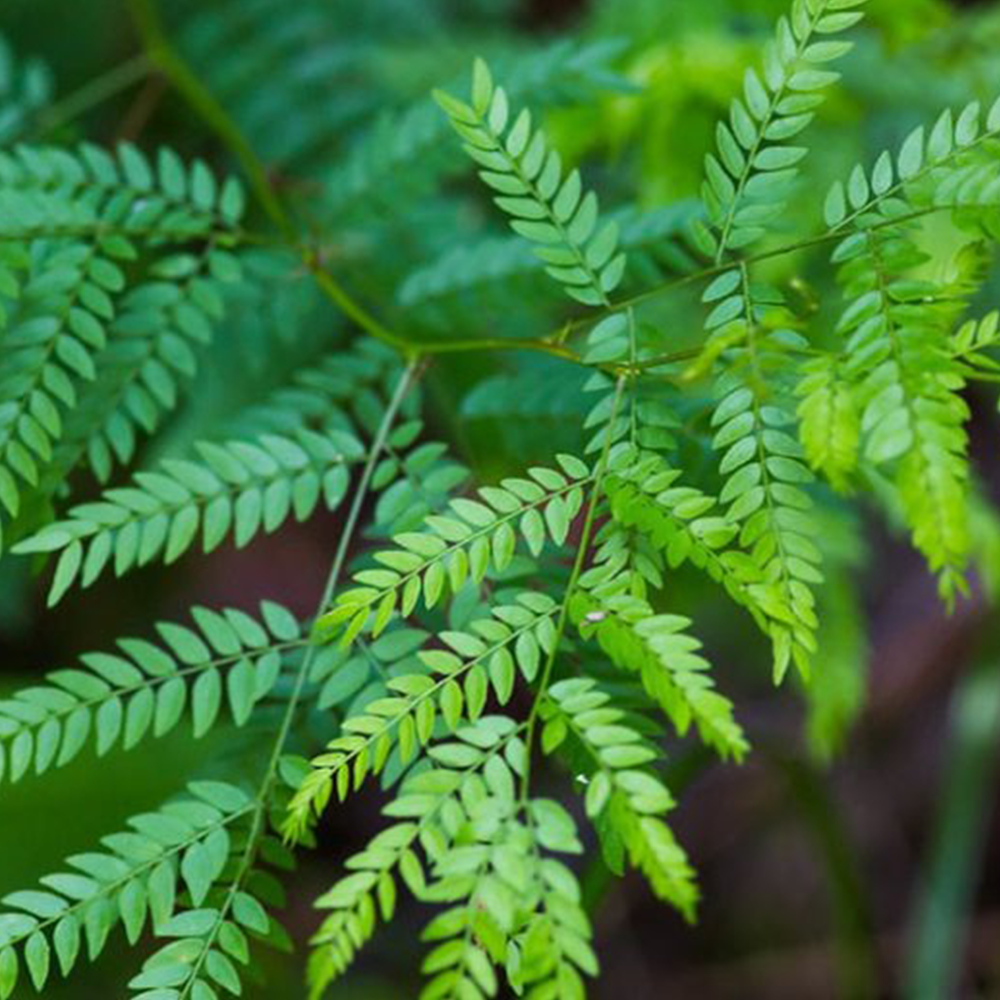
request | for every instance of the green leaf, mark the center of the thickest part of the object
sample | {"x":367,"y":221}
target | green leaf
{"x":241,"y":683}
{"x":36,"y":957}
{"x":836,"y":206}
{"x":482,"y":87}
{"x":66,"y":571}
{"x":250,"y":913}
{"x":199,"y":871}
{"x":911,"y":154}
{"x":206,"y":698}
{"x":190,"y":923}
{"x":8,"y":972}
{"x":132,"y":903}
{"x":223,"y":972}
{"x":993,"y":119}
{"x":66,"y":940}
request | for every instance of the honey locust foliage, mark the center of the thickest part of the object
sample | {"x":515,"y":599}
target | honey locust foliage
{"x":168,"y":386}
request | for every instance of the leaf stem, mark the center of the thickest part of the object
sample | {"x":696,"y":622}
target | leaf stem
{"x":165,"y":57}
{"x":270,"y":775}
{"x":581,"y":556}
{"x":714,"y":270}
{"x":162,"y":54}
{"x":93,"y":92}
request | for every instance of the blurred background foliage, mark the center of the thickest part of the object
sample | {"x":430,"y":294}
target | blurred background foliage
{"x":856,"y":854}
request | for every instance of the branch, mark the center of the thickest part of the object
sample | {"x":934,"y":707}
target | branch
{"x":263,"y":795}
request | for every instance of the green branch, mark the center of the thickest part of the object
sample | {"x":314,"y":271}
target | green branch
{"x":262,"y":798}
{"x":578,"y":563}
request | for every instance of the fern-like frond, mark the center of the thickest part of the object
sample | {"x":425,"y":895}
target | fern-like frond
{"x":901,"y":362}
{"x":496,"y":877}
{"x":137,"y":877}
{"x":465,"y":632}
{"x":59,"y":325}
{"x":953,"y":164}
{"x":554,"y":952}
{"x":163,"y":325}
{"x":972,"y":340}
{"x":546,"y":207}
{"x":98,"y":240}
{"x":400,"y":851}
{"x":237,"y":487}
{"x":453,"y":685}
{"x":762,"y":461}
{"x":48,"y":192}
{"x":897,"y":330}
{"x":207,"y":944}
{"x":474,"y":536}
{"x":662,"y":652}
{"x":403,"y":153}
{"x":747,"y":182}
{"x":683,"y":523}
{"x":144,"y":688}
{"x":621,"y":786}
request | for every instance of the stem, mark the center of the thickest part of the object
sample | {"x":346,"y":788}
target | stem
{"x":270,"y":775}
{"x":336,"y":293}
{"x":545,"y":345}
{"x":92,"y":93}
{"x":581,"y":555}
{"x":203,"y":101}
{"x":163,"y":55}
{"x":715,"y":270}
{"x":554,"y":342}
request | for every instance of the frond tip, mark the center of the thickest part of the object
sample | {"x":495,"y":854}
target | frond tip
{"x":749,"y":177}
{"x":546,"y":207}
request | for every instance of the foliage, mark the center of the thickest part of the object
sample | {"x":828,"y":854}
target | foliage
{"x":491,"y":622}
